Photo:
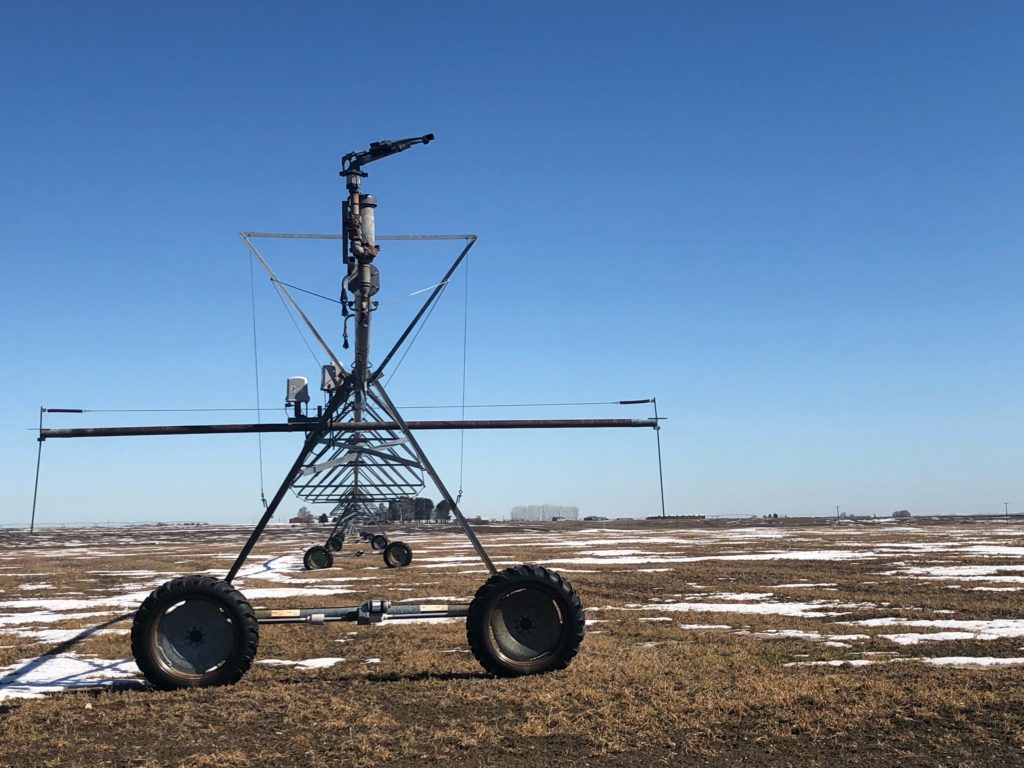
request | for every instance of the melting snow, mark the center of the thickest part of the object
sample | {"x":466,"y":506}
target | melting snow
{"x":955,"y":629}
{"x":812,"y":610}
{"x":974,"y":661}
{"x":328,"y":661}
{"x":31,"y":678}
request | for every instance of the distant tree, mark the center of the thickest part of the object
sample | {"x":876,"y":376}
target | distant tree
{"x":323,"y":518}
{"x":305,"y":515}
{"x":382,"y":513}
{"x":443,"y":512}
{"x":423,"y":508}
{"x":401,"y":510}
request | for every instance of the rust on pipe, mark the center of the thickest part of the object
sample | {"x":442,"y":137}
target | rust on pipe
{"x":345,"y":426}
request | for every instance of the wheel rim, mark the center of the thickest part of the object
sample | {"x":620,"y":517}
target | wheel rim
{"x":319,"y":558}
{"x":335,"y":543}
{"x":526,"y":626}
{"x":193,"y":638}
{"x":398,"y":555}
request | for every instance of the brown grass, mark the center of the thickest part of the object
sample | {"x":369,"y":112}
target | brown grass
{"x":640,"y":693}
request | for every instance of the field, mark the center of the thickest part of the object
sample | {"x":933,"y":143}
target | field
{"x":761,"y":643}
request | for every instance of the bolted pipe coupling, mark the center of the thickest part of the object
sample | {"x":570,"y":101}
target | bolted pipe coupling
{"x":372,"y":611}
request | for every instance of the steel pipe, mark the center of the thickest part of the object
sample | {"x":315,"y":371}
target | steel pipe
{"x":342,"y":426}
{"x":371,"y":612}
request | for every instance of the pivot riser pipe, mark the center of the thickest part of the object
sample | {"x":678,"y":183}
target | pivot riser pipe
{"x":342,"y":426}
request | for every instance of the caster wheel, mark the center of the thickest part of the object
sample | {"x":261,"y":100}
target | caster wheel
{"x":397,"y":554}
{"x":336,"y":542}
{"x":194,"y":632}
{"x":524,"y":621}
{"x":317,"y":557}
{"x":378,"y":541}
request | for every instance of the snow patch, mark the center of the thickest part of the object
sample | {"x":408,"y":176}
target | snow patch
{"x":31,"y":678}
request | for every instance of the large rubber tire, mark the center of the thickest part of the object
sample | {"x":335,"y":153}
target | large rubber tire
{"x":524,"y":621}
{"x":194,"y":632}
{"x":379,"y":541}
{"x":317,"y":557}
{"x":336,"y":542}
{"x":397,"y":554}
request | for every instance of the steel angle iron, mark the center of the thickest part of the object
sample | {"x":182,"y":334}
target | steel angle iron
{"x":197,"y":631}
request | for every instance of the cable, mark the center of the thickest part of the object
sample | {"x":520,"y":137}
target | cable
{"x":404,"y":408}
{"x":465,"y":343}
{"x":256,"y":366}
{"x":416,"y":335}
{"x":297,"y":328}
{"x":303,"y":290}
{"x":171,"y":410}
{"x":507,"y":405}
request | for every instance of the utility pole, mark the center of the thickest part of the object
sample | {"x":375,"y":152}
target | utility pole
{"x":1006,"y":510}
{"x":837,"y":511}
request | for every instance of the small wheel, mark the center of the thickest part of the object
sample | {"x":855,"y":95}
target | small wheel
{"x":397,"y":554}
{"x":336,"y":542}
{"x":318,"y":557}
{"x":524,"y":621}
{"x":378,"y":541}
{"x":194,"y":632}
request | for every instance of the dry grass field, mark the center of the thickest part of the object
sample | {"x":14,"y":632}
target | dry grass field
{"x":717,"y":644}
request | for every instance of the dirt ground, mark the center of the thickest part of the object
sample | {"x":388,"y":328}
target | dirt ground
{"x":743,"y":643}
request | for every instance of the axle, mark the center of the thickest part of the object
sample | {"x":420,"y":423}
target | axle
{"x":370,"y":612}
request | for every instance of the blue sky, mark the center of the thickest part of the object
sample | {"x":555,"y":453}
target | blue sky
{"x":797,"y":224}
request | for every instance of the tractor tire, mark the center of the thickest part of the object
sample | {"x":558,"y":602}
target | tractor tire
{"x":318,"y":557}
{"x":194,"y":632}
{"x":524,"y":621}
{"x":397,"y":554}
{"x":336,"y":542}
{"x":379,"y":541}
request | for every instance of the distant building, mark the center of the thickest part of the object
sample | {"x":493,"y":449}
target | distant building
{"x":676,"y":517}
{"x":594,"y":518}
{"x":544,"y":512}
{"x":901,"y":513}
{"x":297,"y":520}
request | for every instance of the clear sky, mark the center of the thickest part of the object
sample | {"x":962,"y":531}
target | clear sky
{"x":797,"y":224}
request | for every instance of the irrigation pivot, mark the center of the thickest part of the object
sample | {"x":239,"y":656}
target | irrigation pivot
{"x":358,"y":452}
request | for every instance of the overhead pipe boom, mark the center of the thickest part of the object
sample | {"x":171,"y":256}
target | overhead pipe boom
{"x":342,"y":426}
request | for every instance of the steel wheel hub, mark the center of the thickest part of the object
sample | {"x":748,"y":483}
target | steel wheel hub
{"x":526,"y":625}
{"x":194,"y":637}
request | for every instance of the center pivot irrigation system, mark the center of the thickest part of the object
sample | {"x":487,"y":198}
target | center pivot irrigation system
{"x":359,"y":450}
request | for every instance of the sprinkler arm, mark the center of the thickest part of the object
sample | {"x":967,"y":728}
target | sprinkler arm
{"x":353,"y":161}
